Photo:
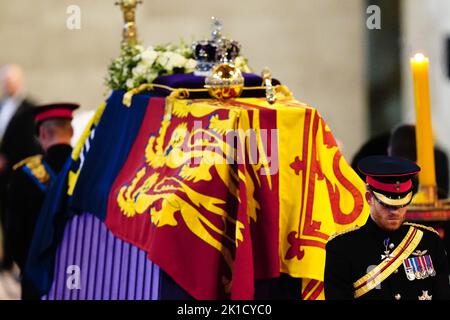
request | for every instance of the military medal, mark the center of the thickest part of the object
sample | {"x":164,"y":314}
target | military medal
{"x":387,"y":252}
{"x":409,"y":270}
{"x":416,"y":268}
{"x":430,"y":267}
{"x":423,"y":267}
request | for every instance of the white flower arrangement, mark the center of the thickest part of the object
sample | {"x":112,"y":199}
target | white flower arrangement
{"x":137,"y":65}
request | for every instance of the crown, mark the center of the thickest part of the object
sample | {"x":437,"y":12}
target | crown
{"x":208,"y":53}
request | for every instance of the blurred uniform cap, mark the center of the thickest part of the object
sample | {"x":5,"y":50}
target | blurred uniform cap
{"x":54,"y":111}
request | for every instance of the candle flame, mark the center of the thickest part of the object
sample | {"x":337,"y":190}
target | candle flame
{"x":419,"y":57}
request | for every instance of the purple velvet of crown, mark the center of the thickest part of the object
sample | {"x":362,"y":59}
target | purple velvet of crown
{"x":217,"y":49}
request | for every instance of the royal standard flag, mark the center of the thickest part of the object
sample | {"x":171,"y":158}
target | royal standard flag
{"x":319,"y":194}
{"x":222,"y":193}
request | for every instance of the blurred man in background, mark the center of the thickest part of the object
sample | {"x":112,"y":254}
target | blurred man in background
{"x":17,"y":138}
{"x":32,"y":176}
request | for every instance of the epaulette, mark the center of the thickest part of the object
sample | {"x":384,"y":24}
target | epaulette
{"x":31,"y":162}
{"x":35,"y":168}
{"x":422,"y":227}
{"x":339,"y":233}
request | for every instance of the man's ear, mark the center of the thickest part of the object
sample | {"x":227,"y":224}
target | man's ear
{"x":42,"y":132}
{"x":369,"y":197}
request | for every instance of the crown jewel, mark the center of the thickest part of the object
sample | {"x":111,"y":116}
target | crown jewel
{"x":218,"y":49}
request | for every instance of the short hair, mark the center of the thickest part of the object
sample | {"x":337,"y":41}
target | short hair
{"x":56,"y":126}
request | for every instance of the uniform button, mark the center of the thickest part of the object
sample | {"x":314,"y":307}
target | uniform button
{"x":396,"y":271}
{"x":391,"y":246}
{"x":398,"y":296}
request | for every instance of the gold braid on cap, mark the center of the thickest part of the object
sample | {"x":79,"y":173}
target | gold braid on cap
{"x":393,"y":202}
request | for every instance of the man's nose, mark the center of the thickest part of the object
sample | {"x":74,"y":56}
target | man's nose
{"x":393,"y":209}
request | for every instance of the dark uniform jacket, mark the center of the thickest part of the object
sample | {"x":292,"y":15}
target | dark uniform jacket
{"x":351,"y":255}
{"x":26,"y":194}
{"x":19,"y":142}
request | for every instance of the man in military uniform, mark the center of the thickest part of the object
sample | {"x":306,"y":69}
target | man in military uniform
{"x":17,"y":138}
{"x":32,"y":176}
{"x":387,"y":258}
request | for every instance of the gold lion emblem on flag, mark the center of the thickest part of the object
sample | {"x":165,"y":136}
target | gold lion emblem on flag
{"x":182,"y":164}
